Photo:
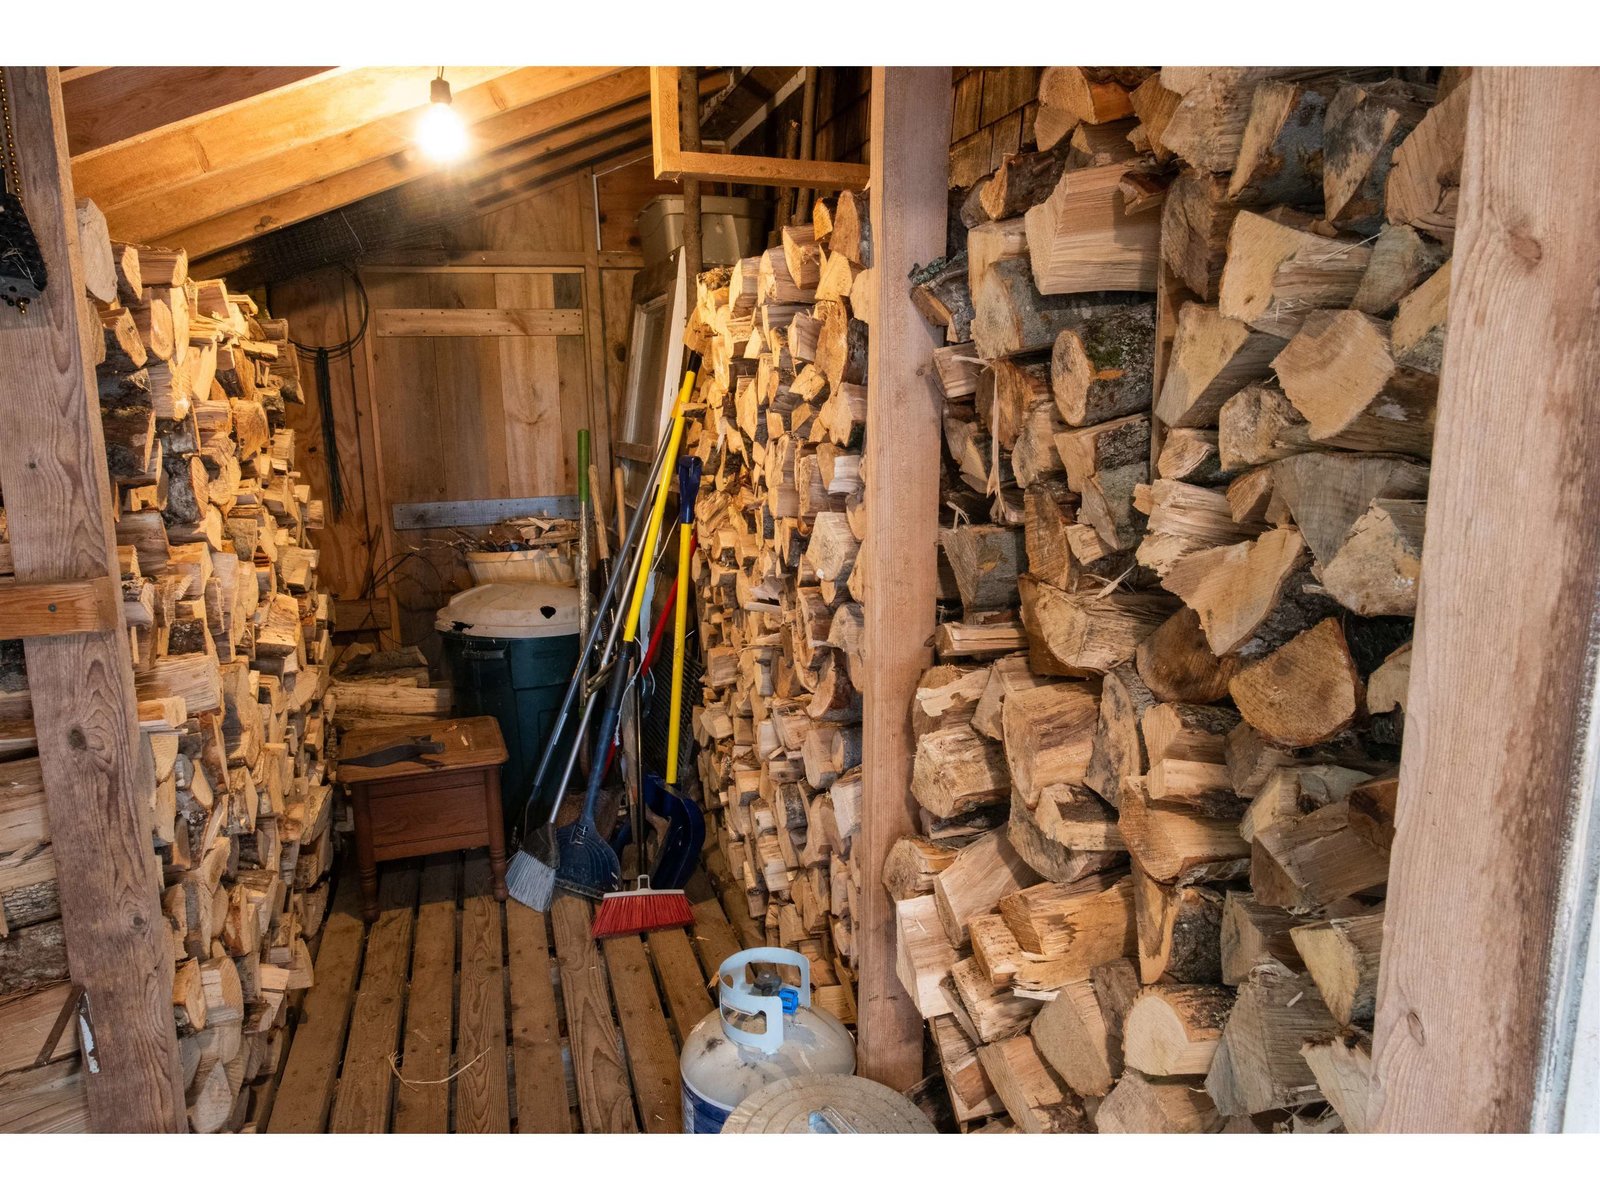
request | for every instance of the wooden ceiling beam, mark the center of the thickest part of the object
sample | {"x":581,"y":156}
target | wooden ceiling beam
{"x":109,"y":105}
{"x":267,"y":126}
{"x":154,"y":217}
{"x":403,"y":165}
{"x":516,"y":185}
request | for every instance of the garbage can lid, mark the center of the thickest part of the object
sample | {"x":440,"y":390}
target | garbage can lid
{"x":512,"y":610}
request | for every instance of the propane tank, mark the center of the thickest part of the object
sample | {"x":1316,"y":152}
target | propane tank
{"x":761,"y":1031}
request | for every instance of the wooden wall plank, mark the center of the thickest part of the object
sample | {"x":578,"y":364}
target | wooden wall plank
{"x":529,"y":394}
{"x":909,"y":158}
{"x":535,"y":1025}
{"x":58,"y":506}
{"x":422,"y":1104}
{"x":1501,"y":710}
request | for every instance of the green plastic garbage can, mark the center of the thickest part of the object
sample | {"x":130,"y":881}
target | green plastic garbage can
{"x":509,"y":651}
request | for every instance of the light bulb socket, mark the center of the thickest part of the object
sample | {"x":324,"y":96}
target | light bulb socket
{"x":439,"y":91}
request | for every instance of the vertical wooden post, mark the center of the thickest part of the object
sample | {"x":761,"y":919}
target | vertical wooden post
{"x":689,"y":115}
{"x":58,"y":504}
{"x":910,"y":164}
{"x":1487,"y":879}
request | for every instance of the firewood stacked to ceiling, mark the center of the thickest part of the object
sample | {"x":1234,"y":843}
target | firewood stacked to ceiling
{"x":1188,"y":484}
{"x":228,"y":635}
{"x":779,"y":525}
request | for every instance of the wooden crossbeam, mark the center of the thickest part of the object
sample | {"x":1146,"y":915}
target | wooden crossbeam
{"x":676,"y":164}
{"x":477,"y":322}
{"x":52,"y":609}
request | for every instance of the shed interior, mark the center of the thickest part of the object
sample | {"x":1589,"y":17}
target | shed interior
{"x":1101,"y":632}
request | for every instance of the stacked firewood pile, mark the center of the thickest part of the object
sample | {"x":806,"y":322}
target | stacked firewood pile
{"x":1195,"y":341}
{"x":779,"y":522}
{"x":229,"y":635}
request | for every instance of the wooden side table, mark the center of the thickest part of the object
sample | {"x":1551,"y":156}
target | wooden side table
{"x":410,"y":808}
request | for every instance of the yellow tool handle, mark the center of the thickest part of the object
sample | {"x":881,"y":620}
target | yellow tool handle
{"x":630,"y":630}
{"x":680,"y":627}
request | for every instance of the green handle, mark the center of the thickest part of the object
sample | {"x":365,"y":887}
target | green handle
{"x":583,"y":466}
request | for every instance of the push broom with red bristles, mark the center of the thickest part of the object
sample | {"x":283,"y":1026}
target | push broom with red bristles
{"x":645,"y":908}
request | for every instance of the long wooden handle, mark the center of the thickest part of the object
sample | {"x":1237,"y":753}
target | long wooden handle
{"x":602,"y":539}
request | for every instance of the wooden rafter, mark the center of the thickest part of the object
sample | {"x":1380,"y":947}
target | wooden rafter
{"x":272,"y":124}
{"x":403,"y":165}
{"x":229,"y":188}
{"x":674,"y":163}
{"x":109,"y":105}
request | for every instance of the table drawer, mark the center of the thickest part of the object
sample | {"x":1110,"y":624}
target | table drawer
{"x":426,"y":815}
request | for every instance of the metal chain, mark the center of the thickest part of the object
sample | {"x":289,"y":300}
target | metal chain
{"x":13,"y":172}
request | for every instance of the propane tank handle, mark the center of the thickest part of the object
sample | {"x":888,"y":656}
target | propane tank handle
{"x":734,"y":993}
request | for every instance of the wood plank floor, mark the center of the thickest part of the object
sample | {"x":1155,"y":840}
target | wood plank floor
{"x":453,"y":1013}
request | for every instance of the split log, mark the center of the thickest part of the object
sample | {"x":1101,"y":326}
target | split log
{"x":1254,"y":934}
{"x":1327,"y":494}
{"x":1101,"y":367}
{"x":1340,"y":365}
{"x":1425,"y":181}
{"x":955,"y":771}
{"x":1034,"y":1095}
{"x":986,"y":560}
{"x":1176,"y":662}
{"x":1175,"y":843}
{"x":1049,"y":735}
{"x":1342,"y":1067}
{"x":1118,"y":749}
{"x":911,"y":866}
{"x":1234,"y":589}
{"x":1071,"y":1035}
{"x":1140,"y":1105}
{"x":1376,"y":571}
{"x":1212,"y":358}
{"x":1302,"y":693}
{"x":1363,"y":126}
{"x":1012,"y":317}
{"x":1174,"y":1028}
{"x":1341,"y":956}
{"x":1281,"y":154}
{"x":1082,"y":239}
{"x":1401,"y":259}
{"x":1021,"y":182}
{"x":1180,"y":931}
{"x":1077,"y":926}
{"x":1278,"y":273}
{"x":1091,"y":632}
{"x":1258,"y":1066}
{"x":1195,"y":222}
{"x":1418,"y":334}
{"x":983,"y":874}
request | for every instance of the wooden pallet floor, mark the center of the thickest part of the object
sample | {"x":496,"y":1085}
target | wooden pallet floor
{"x":453,"y":1013}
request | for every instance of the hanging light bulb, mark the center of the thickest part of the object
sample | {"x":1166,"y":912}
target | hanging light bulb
{"x":441,"y":133}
